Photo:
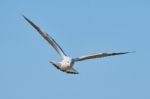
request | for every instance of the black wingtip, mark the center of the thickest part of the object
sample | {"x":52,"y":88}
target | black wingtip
{"x":25,"y":17}
{"x":125,"y":52}
{"x":121,"y":53}
{"x":130,"y":52}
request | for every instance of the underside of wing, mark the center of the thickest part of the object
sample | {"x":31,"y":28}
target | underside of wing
{"x":100,"y":55}
{"x":47,"y":37}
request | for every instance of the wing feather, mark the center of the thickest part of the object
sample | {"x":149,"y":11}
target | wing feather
{"x":100,"y":55}
{"x":47,"y":37}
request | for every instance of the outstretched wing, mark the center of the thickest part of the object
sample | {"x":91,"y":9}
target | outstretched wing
{"x":100,"y":55}
{"x":47,"y":37}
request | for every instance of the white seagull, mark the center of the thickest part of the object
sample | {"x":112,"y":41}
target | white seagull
{"x":67,"y":63}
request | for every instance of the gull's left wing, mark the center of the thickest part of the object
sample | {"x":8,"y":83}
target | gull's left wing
{"x":48,"y":38}
{"x":100,"y":55}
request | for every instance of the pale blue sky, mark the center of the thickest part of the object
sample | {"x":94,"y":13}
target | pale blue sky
{"x":80,"y":27}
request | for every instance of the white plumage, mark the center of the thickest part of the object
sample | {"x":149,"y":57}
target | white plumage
{"x":67,"y":63}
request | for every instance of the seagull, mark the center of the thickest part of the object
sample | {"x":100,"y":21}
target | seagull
{"x":67,"y":63}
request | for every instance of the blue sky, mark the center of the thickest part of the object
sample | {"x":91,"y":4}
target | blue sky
{"x":80,"y":27}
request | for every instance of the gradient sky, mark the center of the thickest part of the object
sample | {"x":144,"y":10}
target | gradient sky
{"x":80,"y":27}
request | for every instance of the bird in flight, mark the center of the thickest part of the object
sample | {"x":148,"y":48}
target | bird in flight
{"x":67,"y":63}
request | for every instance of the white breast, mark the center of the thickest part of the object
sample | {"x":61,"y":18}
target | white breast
{"x":67,"y":61}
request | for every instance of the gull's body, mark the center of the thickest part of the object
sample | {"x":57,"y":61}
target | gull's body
{"x":67,"y":63}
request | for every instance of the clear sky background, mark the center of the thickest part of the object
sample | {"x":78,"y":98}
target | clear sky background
{"x":80,"y":27}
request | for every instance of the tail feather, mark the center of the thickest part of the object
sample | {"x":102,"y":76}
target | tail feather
{"x":72,"y":71}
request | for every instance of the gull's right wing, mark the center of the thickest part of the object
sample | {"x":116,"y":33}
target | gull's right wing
{"x":47,"y":37}
{"x":100,"y":55}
